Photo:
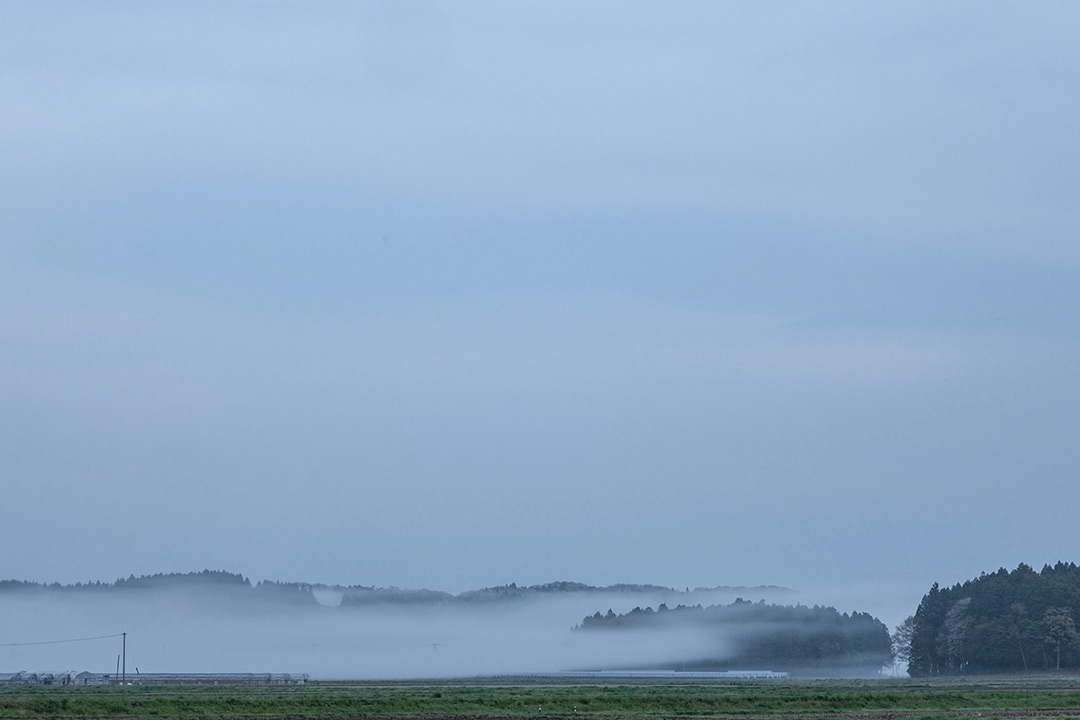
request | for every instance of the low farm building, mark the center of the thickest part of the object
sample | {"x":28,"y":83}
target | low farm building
{"x":89,"y":678}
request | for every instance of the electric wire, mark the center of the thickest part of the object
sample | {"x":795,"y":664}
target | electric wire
{"x":57,"y":642}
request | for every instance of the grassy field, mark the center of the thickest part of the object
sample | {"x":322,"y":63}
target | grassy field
{"x":766,"y":699}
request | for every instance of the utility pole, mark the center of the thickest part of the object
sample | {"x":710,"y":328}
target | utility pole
{"x":124,"y":649}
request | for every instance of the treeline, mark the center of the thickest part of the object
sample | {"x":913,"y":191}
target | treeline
{"x":1005,"y":621}
{"x":767,"y":636}
{"x":217,"y":578}
{"x":302,"y":593}
{"x":206,"y":577}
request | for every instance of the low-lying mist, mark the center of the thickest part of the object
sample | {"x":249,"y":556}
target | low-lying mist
{"x":213,"y":631}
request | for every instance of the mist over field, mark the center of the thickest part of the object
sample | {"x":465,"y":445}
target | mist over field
{"x":228,"y":630}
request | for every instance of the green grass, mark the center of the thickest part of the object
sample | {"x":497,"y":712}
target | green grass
{"x":597,"y":699}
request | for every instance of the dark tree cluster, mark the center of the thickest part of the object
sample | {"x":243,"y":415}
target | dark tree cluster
{"x":766,"y":636}
{"x":205,"y":577}
{"x":211,"y":578}
{"x":1005,"y":621}
{"x":292,"y":593}
{"x":358,"y":595}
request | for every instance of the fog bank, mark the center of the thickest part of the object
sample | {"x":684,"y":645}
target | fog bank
{"x":202,"y":631}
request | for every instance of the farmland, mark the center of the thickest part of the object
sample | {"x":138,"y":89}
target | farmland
{"x":1029,"y":697}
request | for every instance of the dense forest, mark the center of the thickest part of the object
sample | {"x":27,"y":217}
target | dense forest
{"x":1015,"y":621}
{"x":766,"y":636}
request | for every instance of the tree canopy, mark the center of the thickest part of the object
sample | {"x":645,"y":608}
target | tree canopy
{"x":765,"y":636}
{"x":1016,"y":621}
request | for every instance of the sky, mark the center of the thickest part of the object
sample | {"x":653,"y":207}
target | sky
{"x":457,"y":295}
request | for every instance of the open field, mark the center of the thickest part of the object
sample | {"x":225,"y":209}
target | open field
{"x":513,"y":698}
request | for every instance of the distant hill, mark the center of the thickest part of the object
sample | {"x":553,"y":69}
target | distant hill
{"x":515,"y":592}
{"x":202,"y":579}
{"x":303,"y":593}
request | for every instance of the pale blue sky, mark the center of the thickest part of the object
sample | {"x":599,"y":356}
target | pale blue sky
{"x":457,"y":295}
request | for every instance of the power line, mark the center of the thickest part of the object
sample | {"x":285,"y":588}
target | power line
{"x":57,"y":642}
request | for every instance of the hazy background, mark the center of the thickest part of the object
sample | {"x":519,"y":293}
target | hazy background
{"x":184,"y":631}
{"x":460,"y":295}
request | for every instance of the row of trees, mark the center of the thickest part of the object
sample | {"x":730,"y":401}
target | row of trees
{"x":1016,"y":621}
{"x":765,"y":636}
{"x":217,"y":578}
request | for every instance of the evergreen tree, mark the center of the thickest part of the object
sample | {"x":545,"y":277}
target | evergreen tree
{"x":999,"y":622}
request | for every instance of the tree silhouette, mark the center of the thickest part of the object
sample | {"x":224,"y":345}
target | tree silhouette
{"x":1060,"y":630}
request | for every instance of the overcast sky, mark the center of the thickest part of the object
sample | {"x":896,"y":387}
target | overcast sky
{"x":454,"y":295}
